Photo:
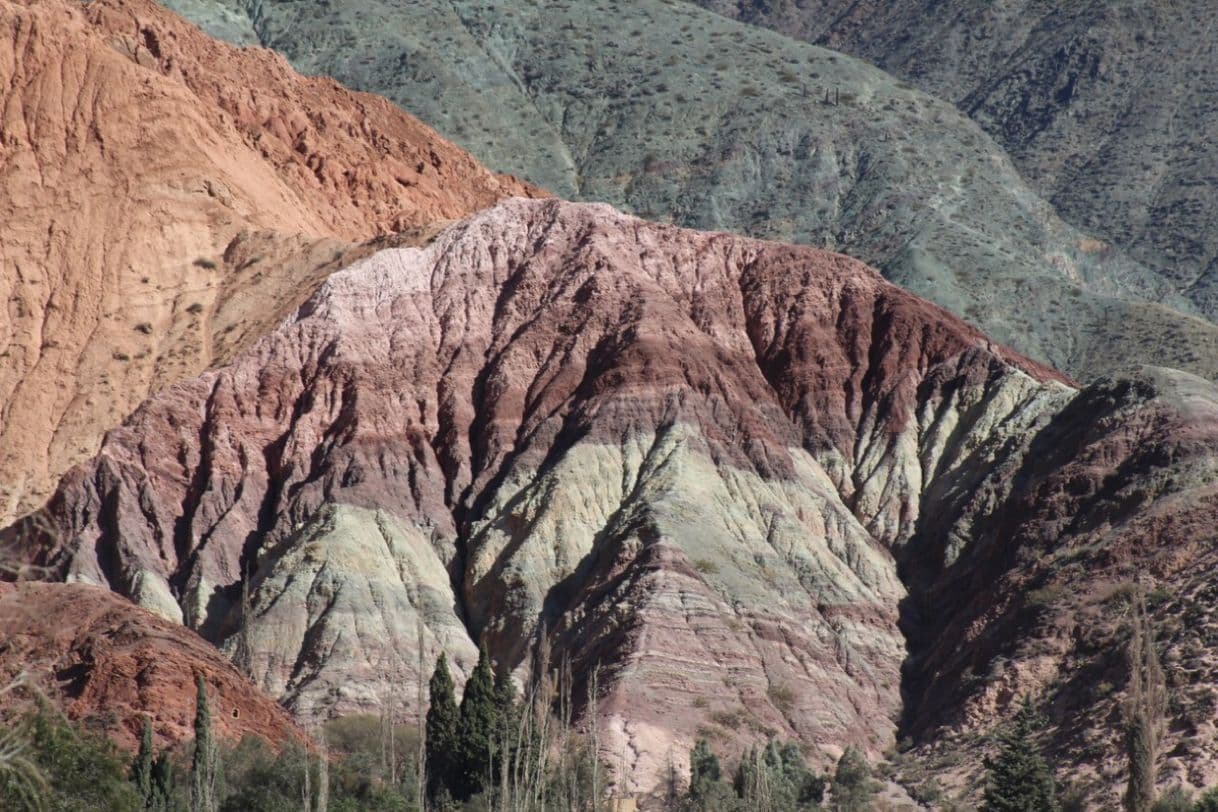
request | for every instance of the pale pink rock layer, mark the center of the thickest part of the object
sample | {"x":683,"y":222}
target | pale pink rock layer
{"x":689,"y":453}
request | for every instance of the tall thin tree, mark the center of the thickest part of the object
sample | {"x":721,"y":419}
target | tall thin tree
{"x":243,"y":657}
{"x":323,"y":771}
{"x":306,"y":784}
{"x":1144,"y":709}
{"x":141,"y":767}
{"x":204,"y":760}
{"x":594,"y":734}
{"x":420,"y":701}
{"x":442,"y":721}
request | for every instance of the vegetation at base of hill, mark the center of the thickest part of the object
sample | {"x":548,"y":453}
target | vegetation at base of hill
{"x":496,"y":751}
{"x":77,"y":770}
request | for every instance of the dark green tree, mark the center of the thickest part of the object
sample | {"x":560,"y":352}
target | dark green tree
{"x":203,"y":762}
{"x":1019,"y":779}
{"x":704,"y":769}
{"x":707,"y":793}
{"x":505,"y":701}
{"x":476,"y":733}
{"x":794,"y":785}
{"x":443,"y":720}
{"x":163,"y":784}
{"x":853,"y":788}
{"x":141,"y":766}
{"x":778,"y":778}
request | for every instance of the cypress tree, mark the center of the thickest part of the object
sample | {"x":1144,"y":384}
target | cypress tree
{"x":441,"y":739}
{"x":203,"y":765}
{"x":480,"y":721}
{"x":505,"y":699}
{"x":509,"y":715}
{"x":853,"y":789}
{"x":141,"y":767}
{"x":1019,"y":779}
{"x":704,"y":770}
{"x":163,"y":784}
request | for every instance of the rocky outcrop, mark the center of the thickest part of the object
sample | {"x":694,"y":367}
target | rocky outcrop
{"x":165,"y":197}
{"x":692,"y":456}
{"x":111,"y":664}
{"x":680,"y":115}
{"x":1106,"y":106}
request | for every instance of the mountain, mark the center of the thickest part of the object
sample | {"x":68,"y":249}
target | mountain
{"x":109,"y":663}
{"x":767,"y":492}
{"x":1108,"y":107}
{"x":165,"y":198}
{"x":671,"y":112}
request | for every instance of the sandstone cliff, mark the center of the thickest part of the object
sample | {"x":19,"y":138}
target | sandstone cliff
{"x":164,"y":197}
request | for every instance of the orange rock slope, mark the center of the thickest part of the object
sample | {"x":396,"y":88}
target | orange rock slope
{"x":164,"y":198}
{"x":104,"y":659}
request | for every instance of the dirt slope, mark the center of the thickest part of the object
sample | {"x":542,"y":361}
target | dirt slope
{"x":1108,"y":107}
{"x":109,"y":663}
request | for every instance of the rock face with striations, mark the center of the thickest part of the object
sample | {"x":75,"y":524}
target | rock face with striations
{"x":766,"y":491}
{"x":677,"y":114}
{"x":692,"y":456}
{"x":164,"y":198}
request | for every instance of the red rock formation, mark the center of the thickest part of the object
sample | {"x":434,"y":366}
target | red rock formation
{"x":103,"y":659}
{"x":135,"y":153}
{"x":690,"y":453}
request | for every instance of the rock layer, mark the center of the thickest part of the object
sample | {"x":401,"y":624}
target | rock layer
{"x":111,"y":664}
{"x":165,"y":196}
{"x":691,"y":455}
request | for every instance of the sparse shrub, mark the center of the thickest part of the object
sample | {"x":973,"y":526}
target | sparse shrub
{"x":1157,"y":597}
{"x":1174,"y":800}
{"x":195,"y":309}
{"x":82,"y":771}
{"x":1208,"y":802}
{"x":205,"y":263}
{"x":781,"y":696}
{"x":732,"y":720}
{"x":1044,"y":597}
